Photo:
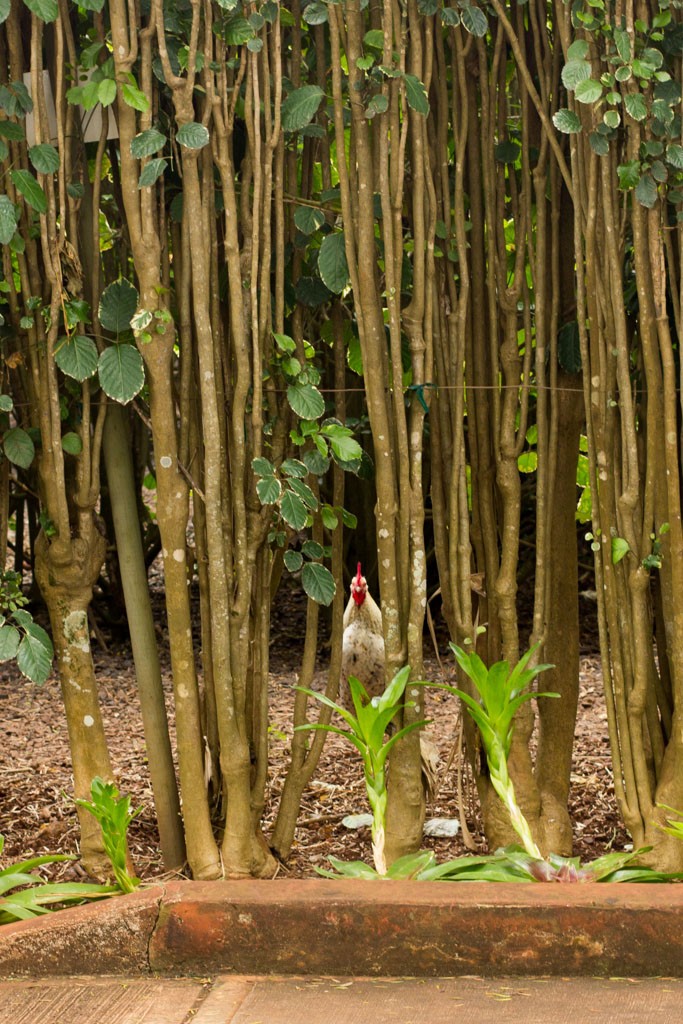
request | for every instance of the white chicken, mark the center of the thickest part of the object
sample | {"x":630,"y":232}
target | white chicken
{"x":363,"y":657}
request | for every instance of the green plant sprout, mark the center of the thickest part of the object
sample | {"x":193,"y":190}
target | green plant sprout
{"x":114,"y":815}
{"x":366,"y":731}
{"x":24,"y":895}
{"x":673,"y":828}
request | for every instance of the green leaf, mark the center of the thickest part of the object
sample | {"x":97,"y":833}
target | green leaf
{"x":612,"y":118}
{"x":147,"y":142}
{"x":285,"y":343}
{"x":318,"y":582}
{"x":300,"y":107}
{"x":44,"y":158}
{"x":193,"y":135}
{"x":374,"y":39}
{"x":578,"y":50}
{"x":306,"y":401}
{"x":315,"y":462}
{"x":308,"y":219}
{"x":566,"y":121}
{"x":19,"y":447}
{"x":34,"y":659}
{"x":293,"y":560}
{"x":263,"y":467}
{"x":346,"y":448}
{"x":293,"y":467}
{"x":598,"y":143}
{"x":46,"y":10}
{"x":330,"y":520}
{"x":646,"y":191}
{"x":674,"y":155}
{"x":573,"y":72}
{"x":238,"y":31}
{"x":106,"y":91}
{"x":268,"y":489}
{"x":620,"y":548}
{"x":635,"y":106}
{"x":5,"y":8}
{"x":77,"y":357}
{"x":588,"y":91}
{"x":71,"y":443}
{"x":304,"y":492}
{"x":311,"y":549}
{"x":623,"y":43}
{"x":527,"y":462}
{"x":9,"y":642}
{"x":121,"y":372}
{"x":506,"y":152}
{"x":152,"y":171}
{"x":315,"y":13}
{"x":474,"y":20}
{"x":8,"y":220}
{"x":12,"y":131}
{"x":28,"y":187}
{"x":416,"y":94}
{"x":118,"y":305}
{"x":293,"y":510}
{"x":332,"y":265}
{"x":6,"y":403}
{"x":134,"y":98}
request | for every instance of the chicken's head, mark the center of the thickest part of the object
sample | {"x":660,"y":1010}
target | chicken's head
{"x":359,"y":587}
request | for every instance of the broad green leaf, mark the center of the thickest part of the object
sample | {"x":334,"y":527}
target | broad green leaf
{"x":5,"y":7}
{"x":374,"y":39}
{"x":28,"y":187}
{"x":566,"y":121}
{"x":315,"y":462}
{"x":293,"y":510}
{"x":293,"y":560}
{"x":34,"y":660}
{"x":106,"y":91}
{"x":192,"y":135}
{"x":506,"y":152}
{"x":588,"y":91}
{"x":147,"y":143}
{"x":18,"y":447}
{"x":77,"y":357}
{"x":46,"y":10}
{"x":304,"y":492}
{"x":300,"y":107}
{"x":315,"y":13}
{"x":44,"y":158}
{"x":308,"y":219}
{"x":674,"y":155}
{"x":121,"y":372}
{"x":575,"y":71}
{"x":134,"y":97}
{"x":623,"y":43}
{"x":285,"y":343}
{"x":623,"y":73}
{"x":118,"y":305}
{"x":25,"y":620}
{"x":263,"y":467}
{"x":6,"y":403}
{"x":12,"y":131}
{"x":646,"y":191}
{"x":620,"y":548}
{"x":268,"y":489}
{"x":346,"y":448}
{"x":318,"y":583}
{"x":635,"y":105}
{"x":306,"y":401}
{"x":9,"y":642}
{"x":293,"y":467}
{"x":474,"y":20}
{"x":578,"y":50}
{"x":329,"y":518}
{"x":598,"y":143}
{"x":332,"y":265}
{"x":8,"y":220}
{"x":238,"y":31}
{"x":71,"y":443}
{"x":612,"y":118}
{"x":416,"y":94}
{"x":142,"y":319}
{"x":527,"y":462}
{"x":311,"y":549}
{"x":152,"y":171}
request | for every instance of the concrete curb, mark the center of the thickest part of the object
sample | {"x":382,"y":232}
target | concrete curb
{"x":359,"y":928}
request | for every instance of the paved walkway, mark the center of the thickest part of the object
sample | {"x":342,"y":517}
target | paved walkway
{"x":241,"y":1000}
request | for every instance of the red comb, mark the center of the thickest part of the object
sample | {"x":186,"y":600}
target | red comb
{"x":359,"y":576}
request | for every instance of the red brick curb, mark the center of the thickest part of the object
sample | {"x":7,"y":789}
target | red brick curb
{"x":362,"y":929}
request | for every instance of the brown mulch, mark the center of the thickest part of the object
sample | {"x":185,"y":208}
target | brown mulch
{"x":37,"y":813}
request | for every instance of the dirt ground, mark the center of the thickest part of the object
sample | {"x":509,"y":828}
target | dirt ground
{"x":37,"y":813}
